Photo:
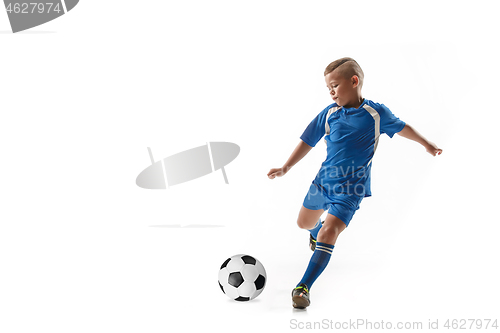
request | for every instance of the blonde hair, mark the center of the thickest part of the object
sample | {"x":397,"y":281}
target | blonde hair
{"x":347,"y":68}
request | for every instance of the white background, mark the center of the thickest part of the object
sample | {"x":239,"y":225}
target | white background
{"x":83,"y":249}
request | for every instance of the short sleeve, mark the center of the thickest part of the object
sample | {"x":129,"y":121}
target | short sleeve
{"x":316,"y":128}
{"x":389,"y":123}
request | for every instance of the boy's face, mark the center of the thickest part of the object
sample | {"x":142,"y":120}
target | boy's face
{"x":344,"y":91}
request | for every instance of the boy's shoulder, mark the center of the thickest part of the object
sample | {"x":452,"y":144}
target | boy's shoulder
{"x":375,"y":105}
{"x":331,"y":106}
{"x":330,"y":109}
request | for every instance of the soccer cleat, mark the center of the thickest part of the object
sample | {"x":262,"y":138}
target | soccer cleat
{"x":300,"y":297}
{"x":312,"y":242}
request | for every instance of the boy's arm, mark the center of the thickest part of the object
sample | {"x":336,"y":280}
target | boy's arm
{"x":412,"y":134}
{"x":300,"y":151}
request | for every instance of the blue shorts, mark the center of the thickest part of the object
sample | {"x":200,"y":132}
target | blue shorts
{"x":342,"y":206}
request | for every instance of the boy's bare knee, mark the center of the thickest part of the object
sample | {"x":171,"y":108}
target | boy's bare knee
{"x":308,"y":218}
{"x":331,"y":231}
{"x":302,"y":224}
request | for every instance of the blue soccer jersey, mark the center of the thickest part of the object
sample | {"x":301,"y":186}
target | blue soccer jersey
{"x":351,"y":137}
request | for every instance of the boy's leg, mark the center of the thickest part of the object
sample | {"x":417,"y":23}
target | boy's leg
{"x":340,"y":213}
{"x":327,"y":237}
{"x":326,"y":240}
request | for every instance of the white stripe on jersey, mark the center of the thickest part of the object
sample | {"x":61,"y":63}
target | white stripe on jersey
{"x":376,"y":118}
{"x":327,"y":127}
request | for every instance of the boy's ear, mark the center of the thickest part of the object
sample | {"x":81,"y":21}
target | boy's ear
{"x":355,"y":81}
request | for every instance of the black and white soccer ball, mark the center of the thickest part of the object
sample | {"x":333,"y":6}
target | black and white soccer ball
{"x":242,"y":277}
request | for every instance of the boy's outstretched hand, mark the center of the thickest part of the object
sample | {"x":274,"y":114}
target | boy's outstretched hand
{"x":276,"y":172}
{"x":433,"y":149}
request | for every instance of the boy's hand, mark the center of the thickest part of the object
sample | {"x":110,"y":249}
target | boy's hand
{"x":433,"y":149}
{"x":276,"y":172}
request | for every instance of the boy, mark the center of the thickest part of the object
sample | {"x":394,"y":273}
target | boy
{"x":351,"y":126}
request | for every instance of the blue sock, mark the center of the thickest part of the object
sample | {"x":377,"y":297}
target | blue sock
{"x":314,"y":231}
{"x":317,"y":264}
